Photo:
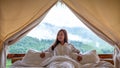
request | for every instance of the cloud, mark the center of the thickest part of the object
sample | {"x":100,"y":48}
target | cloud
{"x":48,"y":34}
{"x":60,"y":15}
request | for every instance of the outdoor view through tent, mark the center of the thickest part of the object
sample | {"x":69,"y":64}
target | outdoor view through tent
{"x":43,"y":35}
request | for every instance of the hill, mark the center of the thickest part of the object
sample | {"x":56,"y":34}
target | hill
{"x":44,"y":34}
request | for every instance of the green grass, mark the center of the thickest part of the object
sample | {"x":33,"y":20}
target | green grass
{"x":8,"y":63}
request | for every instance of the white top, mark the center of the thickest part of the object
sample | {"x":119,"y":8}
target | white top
{"x":61,"y":50}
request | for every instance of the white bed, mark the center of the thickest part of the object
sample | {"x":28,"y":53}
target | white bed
{"x":32,"y":60}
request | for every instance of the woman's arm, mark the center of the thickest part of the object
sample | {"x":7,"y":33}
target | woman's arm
{"x":76,"y":54}
{"x":74,"y":50}
{"x":49,"y":50}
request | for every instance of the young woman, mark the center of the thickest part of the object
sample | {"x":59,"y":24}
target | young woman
{"x":61,"y":46}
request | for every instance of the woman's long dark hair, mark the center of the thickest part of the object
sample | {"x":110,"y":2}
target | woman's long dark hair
{"x":57,"y":41}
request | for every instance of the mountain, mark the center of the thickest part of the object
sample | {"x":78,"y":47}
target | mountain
{"x":48,"y":31}
{"x":41,"y":37}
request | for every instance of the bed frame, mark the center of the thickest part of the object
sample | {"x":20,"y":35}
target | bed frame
{"x":103,"y":57}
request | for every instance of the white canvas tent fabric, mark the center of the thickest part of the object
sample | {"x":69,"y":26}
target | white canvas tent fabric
{"x":18,"y":17}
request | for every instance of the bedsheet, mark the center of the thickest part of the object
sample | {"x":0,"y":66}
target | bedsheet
{"x":62,"y":62}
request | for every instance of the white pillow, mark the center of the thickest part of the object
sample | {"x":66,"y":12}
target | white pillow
{"x":33,"y":58}
{"x":90,"y":57}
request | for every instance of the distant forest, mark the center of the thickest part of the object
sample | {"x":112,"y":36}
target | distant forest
{"x":27,"y":42}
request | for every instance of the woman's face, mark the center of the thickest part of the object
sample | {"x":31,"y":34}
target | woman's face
{"x":61,"y":36}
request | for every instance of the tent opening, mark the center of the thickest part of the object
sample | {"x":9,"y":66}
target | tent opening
{"x":43,"y":35}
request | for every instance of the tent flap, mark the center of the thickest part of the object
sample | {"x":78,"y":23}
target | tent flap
{"x":17,"y":14}
{"x":15,"y":17}
{"x":102,"y":15}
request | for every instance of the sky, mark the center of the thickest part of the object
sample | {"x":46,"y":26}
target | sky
{"x":59,"y":15}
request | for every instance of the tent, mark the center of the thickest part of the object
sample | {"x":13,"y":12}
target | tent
{"x":18,"y":17}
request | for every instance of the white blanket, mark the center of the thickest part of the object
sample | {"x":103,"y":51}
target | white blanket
{"x":62,"y":62}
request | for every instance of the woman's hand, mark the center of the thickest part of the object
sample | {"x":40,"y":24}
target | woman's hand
{"x":42,"y":55}
{"x":78,"y":52}
{"x":79,"y":58}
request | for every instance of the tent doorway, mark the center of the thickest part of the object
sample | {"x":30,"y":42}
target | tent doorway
{"x":61,"y":17}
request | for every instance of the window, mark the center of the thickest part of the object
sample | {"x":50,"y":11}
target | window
{"x":42,"y":36}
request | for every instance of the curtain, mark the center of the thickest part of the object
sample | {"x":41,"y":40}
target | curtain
{"x":21,"y":14}
{"x":116,"y":57}
{"x":17,"y":17}
{"x":102,"y":17}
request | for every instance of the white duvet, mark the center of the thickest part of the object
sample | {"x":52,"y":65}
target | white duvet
{"x":62,"y":62}
{"x":89,"y":60}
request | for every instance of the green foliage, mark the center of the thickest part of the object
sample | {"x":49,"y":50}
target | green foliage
{"x":8,"y":63}
{"x":27,"y":43}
